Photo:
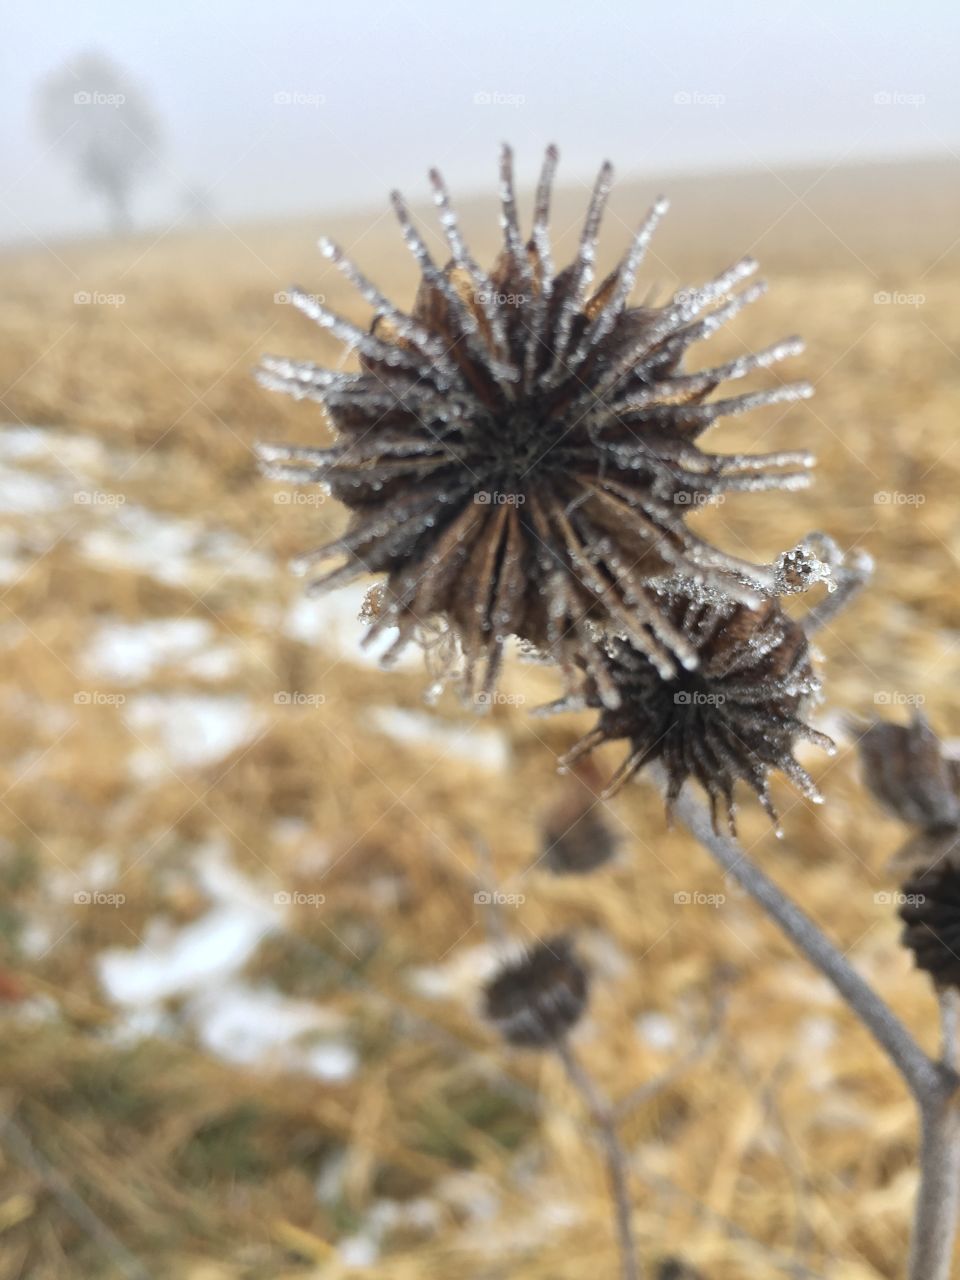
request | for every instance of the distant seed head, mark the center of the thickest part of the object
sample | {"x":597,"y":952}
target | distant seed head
{"x":519,"y":452}
{"x":736,"y":715}
{"x":576,"y":834}
{"x":904,"y":766}
{"x":534,"y":1001}
{"x":930,"y":911}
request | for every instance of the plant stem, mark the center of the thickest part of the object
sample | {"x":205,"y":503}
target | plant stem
{"x":933,"y":1084}
{"x":935,"y":1219}
{"x":924,"y":1076}
{"x":604,"y":1121}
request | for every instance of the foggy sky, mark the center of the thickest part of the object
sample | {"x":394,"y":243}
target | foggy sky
{"x":295,"y":107}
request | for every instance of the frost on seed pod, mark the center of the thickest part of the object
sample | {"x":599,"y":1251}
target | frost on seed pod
{"x":931,"y":914}
{"x":534,"y":1001}
{"x":520,"y":451}
{"x":735,"y":716}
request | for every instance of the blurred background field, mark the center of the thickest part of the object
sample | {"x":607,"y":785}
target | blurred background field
{"x":239,"y":940}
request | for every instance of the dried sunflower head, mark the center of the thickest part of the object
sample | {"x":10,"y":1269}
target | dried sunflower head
{"x":534,"y":1001}
{"x":735,"y":715}
{"x":518,"y":453}
{"x":930,"y":911}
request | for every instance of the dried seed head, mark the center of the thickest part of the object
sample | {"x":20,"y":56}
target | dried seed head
{"x":735,"y":715}
{"x":576,"y":834}
{"x":534,"y":1001}
{"x":931,"y":914}
{"x":519,"y":452}
{"x":674,"y":1269}
{"x":905,"y":768}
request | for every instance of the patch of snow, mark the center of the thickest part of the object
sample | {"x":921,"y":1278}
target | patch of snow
{"x":173,"y":961}
{"x":485,"y":747}
{"x":174,"y":551}
{"x":128,"y":653}
{"x":258,"y":1026}
{"x":187,"y":730}
{"x":657,"y":1030}
{"x":27,"y":493}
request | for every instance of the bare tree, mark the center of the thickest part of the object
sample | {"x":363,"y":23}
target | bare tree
{"x":96,"y":117}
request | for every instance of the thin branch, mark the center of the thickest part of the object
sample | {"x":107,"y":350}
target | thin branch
{"x":949,"y":1027}
{"x":604,"y":1120}
{"x":925,"y":1078}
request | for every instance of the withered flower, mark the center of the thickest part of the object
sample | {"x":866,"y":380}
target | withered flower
{"x":905,"y":768}
{"x":519,"y":452}
{"x":930,"y":910}
{"x":735,"y":715}
{"x":577,"y":836}
{"x":534,"y":1001}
